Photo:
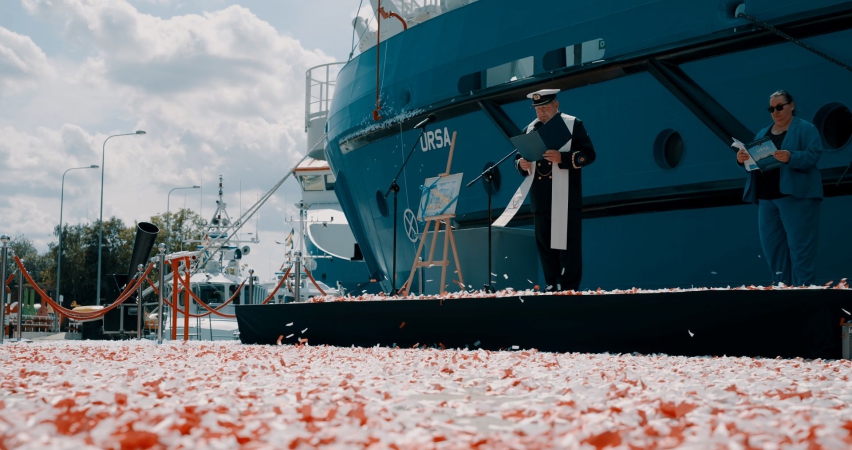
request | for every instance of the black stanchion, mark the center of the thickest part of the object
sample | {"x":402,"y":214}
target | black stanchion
{"x":491,"y":181}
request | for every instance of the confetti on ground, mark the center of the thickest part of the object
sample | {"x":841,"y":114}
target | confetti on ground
{"x":96,"y":394}
{"x":691,"y":334}
{"x":714,"y":273}
{"x":303,"y":331}
{"x":290,"y":335}
{"x":290,"y":324}
{"x":505,"y":276}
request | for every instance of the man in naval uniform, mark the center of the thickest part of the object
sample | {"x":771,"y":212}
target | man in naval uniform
{"x":556,"y":189}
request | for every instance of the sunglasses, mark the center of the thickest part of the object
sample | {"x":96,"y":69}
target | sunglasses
{"x":778,"y":108}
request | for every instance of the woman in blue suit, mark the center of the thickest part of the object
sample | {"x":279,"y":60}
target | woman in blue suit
{"x":788,"y":198}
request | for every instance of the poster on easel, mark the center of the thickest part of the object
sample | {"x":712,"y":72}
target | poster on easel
{"x":439,"y":196}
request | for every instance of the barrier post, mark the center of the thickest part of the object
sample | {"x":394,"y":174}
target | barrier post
{"x":251,"y":288}
{"x":139,"y":308}
{"x":175,"y":274}
{"x":20,"y":305}
{"x":3,"y":253}
{"x":160,"y":315}
{"x":186,"y":301}
{"x":298,"y":274}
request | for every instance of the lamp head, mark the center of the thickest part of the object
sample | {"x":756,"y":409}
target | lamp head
{"x":140,"y":267}
{"x":94,"y":166}
{"x":140,"y":132}
{"x":161,"y":247}
{"x":4,"y":239}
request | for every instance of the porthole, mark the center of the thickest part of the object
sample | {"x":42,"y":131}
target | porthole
{"x":834,"y":123}
{"x":405,"y":96}
{"x":382,"y":203}
{"x":668,"y":149}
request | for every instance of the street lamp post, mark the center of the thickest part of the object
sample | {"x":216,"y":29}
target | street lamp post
{"x":169,"y":217}
{"x":4,"y":241}
{"x":59,"y":248}
{"x":101,"y":228}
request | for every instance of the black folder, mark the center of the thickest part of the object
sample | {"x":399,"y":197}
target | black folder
{"x":550,"y":136}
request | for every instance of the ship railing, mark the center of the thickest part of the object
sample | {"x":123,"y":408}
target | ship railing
{"x":319,"y":89}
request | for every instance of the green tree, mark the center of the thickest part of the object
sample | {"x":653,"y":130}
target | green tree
{"x":36,"y":264}
{"x":80,"y":254}
{"x":178,"y":228}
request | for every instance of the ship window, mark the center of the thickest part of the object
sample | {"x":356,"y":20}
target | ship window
{"x":510,"y":71}
{"x":668,"y":149}
{"x":312,"y":182}
{"x":574,"y":55}
{"x":329,"y":182}
{"x":586,"y":52}
{"x":834,"y":122}
{"x":470,"y":82}
{"x":209,"y":293}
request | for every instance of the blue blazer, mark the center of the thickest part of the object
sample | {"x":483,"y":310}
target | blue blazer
{"x":800,"y":177}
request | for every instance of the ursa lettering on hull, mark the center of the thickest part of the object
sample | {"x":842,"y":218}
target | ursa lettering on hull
{"x":432,"y":140}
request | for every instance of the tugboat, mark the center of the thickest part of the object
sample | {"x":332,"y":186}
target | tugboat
{"x":219,"y":276}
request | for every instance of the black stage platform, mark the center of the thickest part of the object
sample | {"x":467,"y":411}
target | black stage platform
{"x":787,"y":323}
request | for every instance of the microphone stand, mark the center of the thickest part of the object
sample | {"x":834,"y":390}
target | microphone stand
{"x":395,"y":189}
{"x":488,"y":176}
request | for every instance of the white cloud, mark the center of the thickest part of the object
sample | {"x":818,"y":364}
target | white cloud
{"x":218,"y":93}
{"x":21,"y":61}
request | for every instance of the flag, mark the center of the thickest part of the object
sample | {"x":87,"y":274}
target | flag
{"x":289,"y":240}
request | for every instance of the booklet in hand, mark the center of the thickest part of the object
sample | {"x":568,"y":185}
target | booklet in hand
{"x":551,"y":136}
{"x":762,"y":151}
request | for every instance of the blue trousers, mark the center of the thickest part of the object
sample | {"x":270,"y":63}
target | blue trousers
{"x":789,"y":230}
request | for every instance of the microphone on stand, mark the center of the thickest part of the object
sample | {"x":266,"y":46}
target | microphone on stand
{"x":429,"y":119}
{"x":395,"y":189}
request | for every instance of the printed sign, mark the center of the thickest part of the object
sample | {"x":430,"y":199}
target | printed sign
{"x":439,"y":196}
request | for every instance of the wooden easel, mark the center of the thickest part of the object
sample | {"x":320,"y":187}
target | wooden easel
{"x":449,"y":240}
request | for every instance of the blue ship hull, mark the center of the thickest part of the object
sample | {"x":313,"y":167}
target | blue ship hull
{"x":690,"y":67}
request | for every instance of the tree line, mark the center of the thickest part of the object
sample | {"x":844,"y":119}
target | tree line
{"x":80,"y":254}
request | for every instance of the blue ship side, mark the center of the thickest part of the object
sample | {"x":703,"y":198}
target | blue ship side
{"x":669,"y":67}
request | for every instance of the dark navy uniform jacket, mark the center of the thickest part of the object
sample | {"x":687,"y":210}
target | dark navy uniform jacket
{"x":541,"y":191}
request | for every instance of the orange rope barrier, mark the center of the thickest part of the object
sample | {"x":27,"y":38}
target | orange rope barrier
{"x":198,"y":300}
{"x":308,"y":272}
{"x":278,"y":286}
{"x":156,"y":291}
{"x":82,"y":316}
{"x":204,"y":304}
{"x":11,"y":277}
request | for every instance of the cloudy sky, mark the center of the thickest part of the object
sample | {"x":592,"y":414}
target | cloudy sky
{"x":218,"y":85}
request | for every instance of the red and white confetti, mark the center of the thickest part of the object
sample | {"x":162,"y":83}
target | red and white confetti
{"x":129,"y":395}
